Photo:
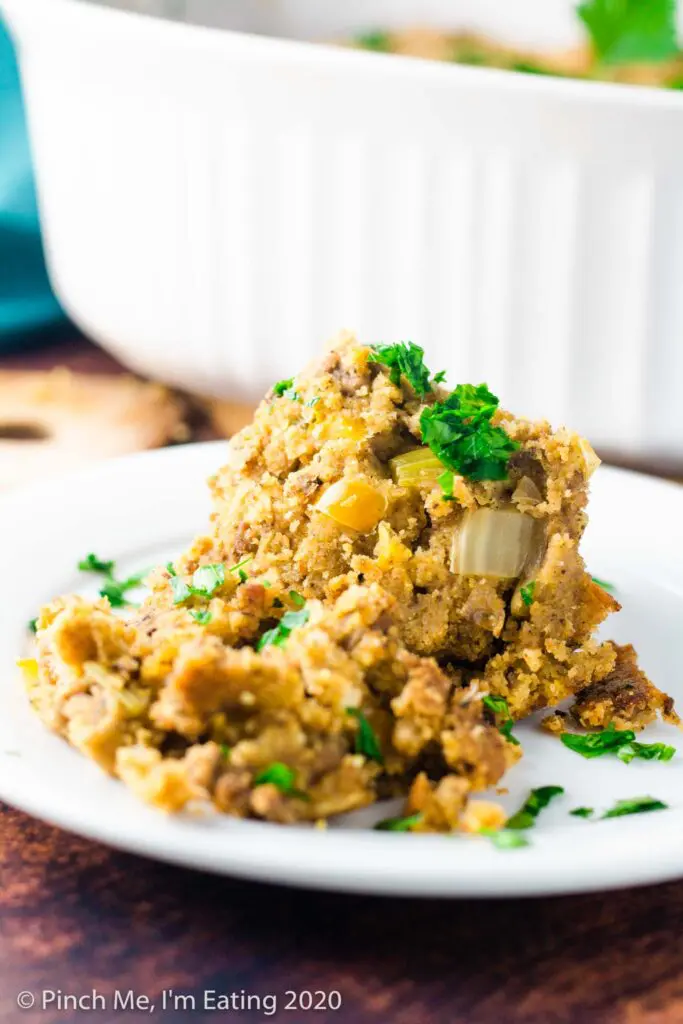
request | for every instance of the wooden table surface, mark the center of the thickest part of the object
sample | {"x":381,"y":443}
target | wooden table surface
{"x":79,"y":918}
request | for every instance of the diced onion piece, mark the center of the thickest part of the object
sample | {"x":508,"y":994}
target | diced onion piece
{"x":590,"y":459}
{"x":353,"y":503}
{"x":416,"y":467}
{"x":493,"y":542}
{"x":527,"y":492}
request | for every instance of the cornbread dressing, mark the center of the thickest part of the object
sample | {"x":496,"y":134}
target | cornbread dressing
{"x":357,"y":577}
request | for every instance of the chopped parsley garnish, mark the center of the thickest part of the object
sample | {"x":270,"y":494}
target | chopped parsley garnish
{"x":286,"y":389}
{"x":201,"y":615}
{"x":635,"y":805}
{"x":527,"y":593}
{"x":582,"y":812}
{"x":91,"y":563}
{"x":114,"y":590}
{"x":207,"y":579}
{"x":460,"y":433}
{"x":527,"y":68}
{"x":366,"y":741}
{"x":282,"y":776}
{"x":297,"y":600}
{"x":404,"y":359}
{"x":505,"y":838}
{"x":609,"y":587}
{"x":170,"y":570}
{"x":621,"y":742}
{"x":446,"y":481}
{"x":33,"y":625}
{"x":225,"y":751}
{"x":537,"y":800}
{"x":278,"y":635}
{"x":378,"y":42}
{"x":400,"y":824}
{"x":631,"y":31}
{"x":499,"y":706}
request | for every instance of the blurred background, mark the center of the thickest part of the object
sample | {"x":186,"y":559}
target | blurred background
{"x":218,"y":186}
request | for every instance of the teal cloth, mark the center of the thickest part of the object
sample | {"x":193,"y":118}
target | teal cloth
{"x":27,"y":304}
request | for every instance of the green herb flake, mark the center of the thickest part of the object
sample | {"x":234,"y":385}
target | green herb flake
{"x":439,"y":377}
{"x":280,"y":775}
{"x":609,"y":587}
{"x":527,"y":593}
{"x":499,"y":706}
{"x":33,"y":625}
{"x":366,"y":741}
{"x":378,"y":42}
{"x":528,"y":68}
{"x":297,"y":600}
{"x":582,"y":812}
{"x":201,"y":615}
{"x":180,"y":589}
{"x":91,"y":563}
{"x":207,"y":579}
{"x":631,"y":31}
{"x":404,"y":359}
{"x":225,"y":751}
{"x":460,"y":433}
{"x":282,"y":386}
{"x":537,"y":800}
{"x":170,"y":570}
{"x":621,"y":742}
{"x":280,"y":633}
{"x":505,"y":838}
{"x":635,"y":805}
{"x":446,"y":481}
{"x":645,"y":751}
{"x":266,"y":583}
{"x":400,"y":824}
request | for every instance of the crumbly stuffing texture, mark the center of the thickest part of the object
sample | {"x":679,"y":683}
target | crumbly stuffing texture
{"x":179,"y":702}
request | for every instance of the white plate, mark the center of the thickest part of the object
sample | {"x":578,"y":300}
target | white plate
{"x":144,"y":509}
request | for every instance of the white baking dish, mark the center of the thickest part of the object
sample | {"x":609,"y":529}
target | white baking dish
{"x":217,"y":203}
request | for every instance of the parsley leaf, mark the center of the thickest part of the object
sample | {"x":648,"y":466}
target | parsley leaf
{"x":499,"y":706}
{"x":91,"y":563}
{"x":609,"y":587}
{"x":404,"y":359}
{"x":280,"y":633}
{"x":366,"y":741}
{"x":201,"y":615}
{"x":280,"y":775}
{"x":645,"y":751}
{"x":527,"y":593}
{"x":635,"y":805}
{"x":621,"y":742}
{"x":114,"y":590}
{"x":582,"y":812}
{"x":400,"y":824}
{"x":225,"y":751}
{"x":170,"y":570}
{"x":33,"y":625}
{"x":378,"y":42}
{"x":505,"y":838}
{"x":297,"y":600}
{"x":459,"y":432}
{"x":282,"y":386}
{"x":624,"y":31}
{"x":446,"y":481}
{"x":207,"y":579}
{"x":537,"y":800}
